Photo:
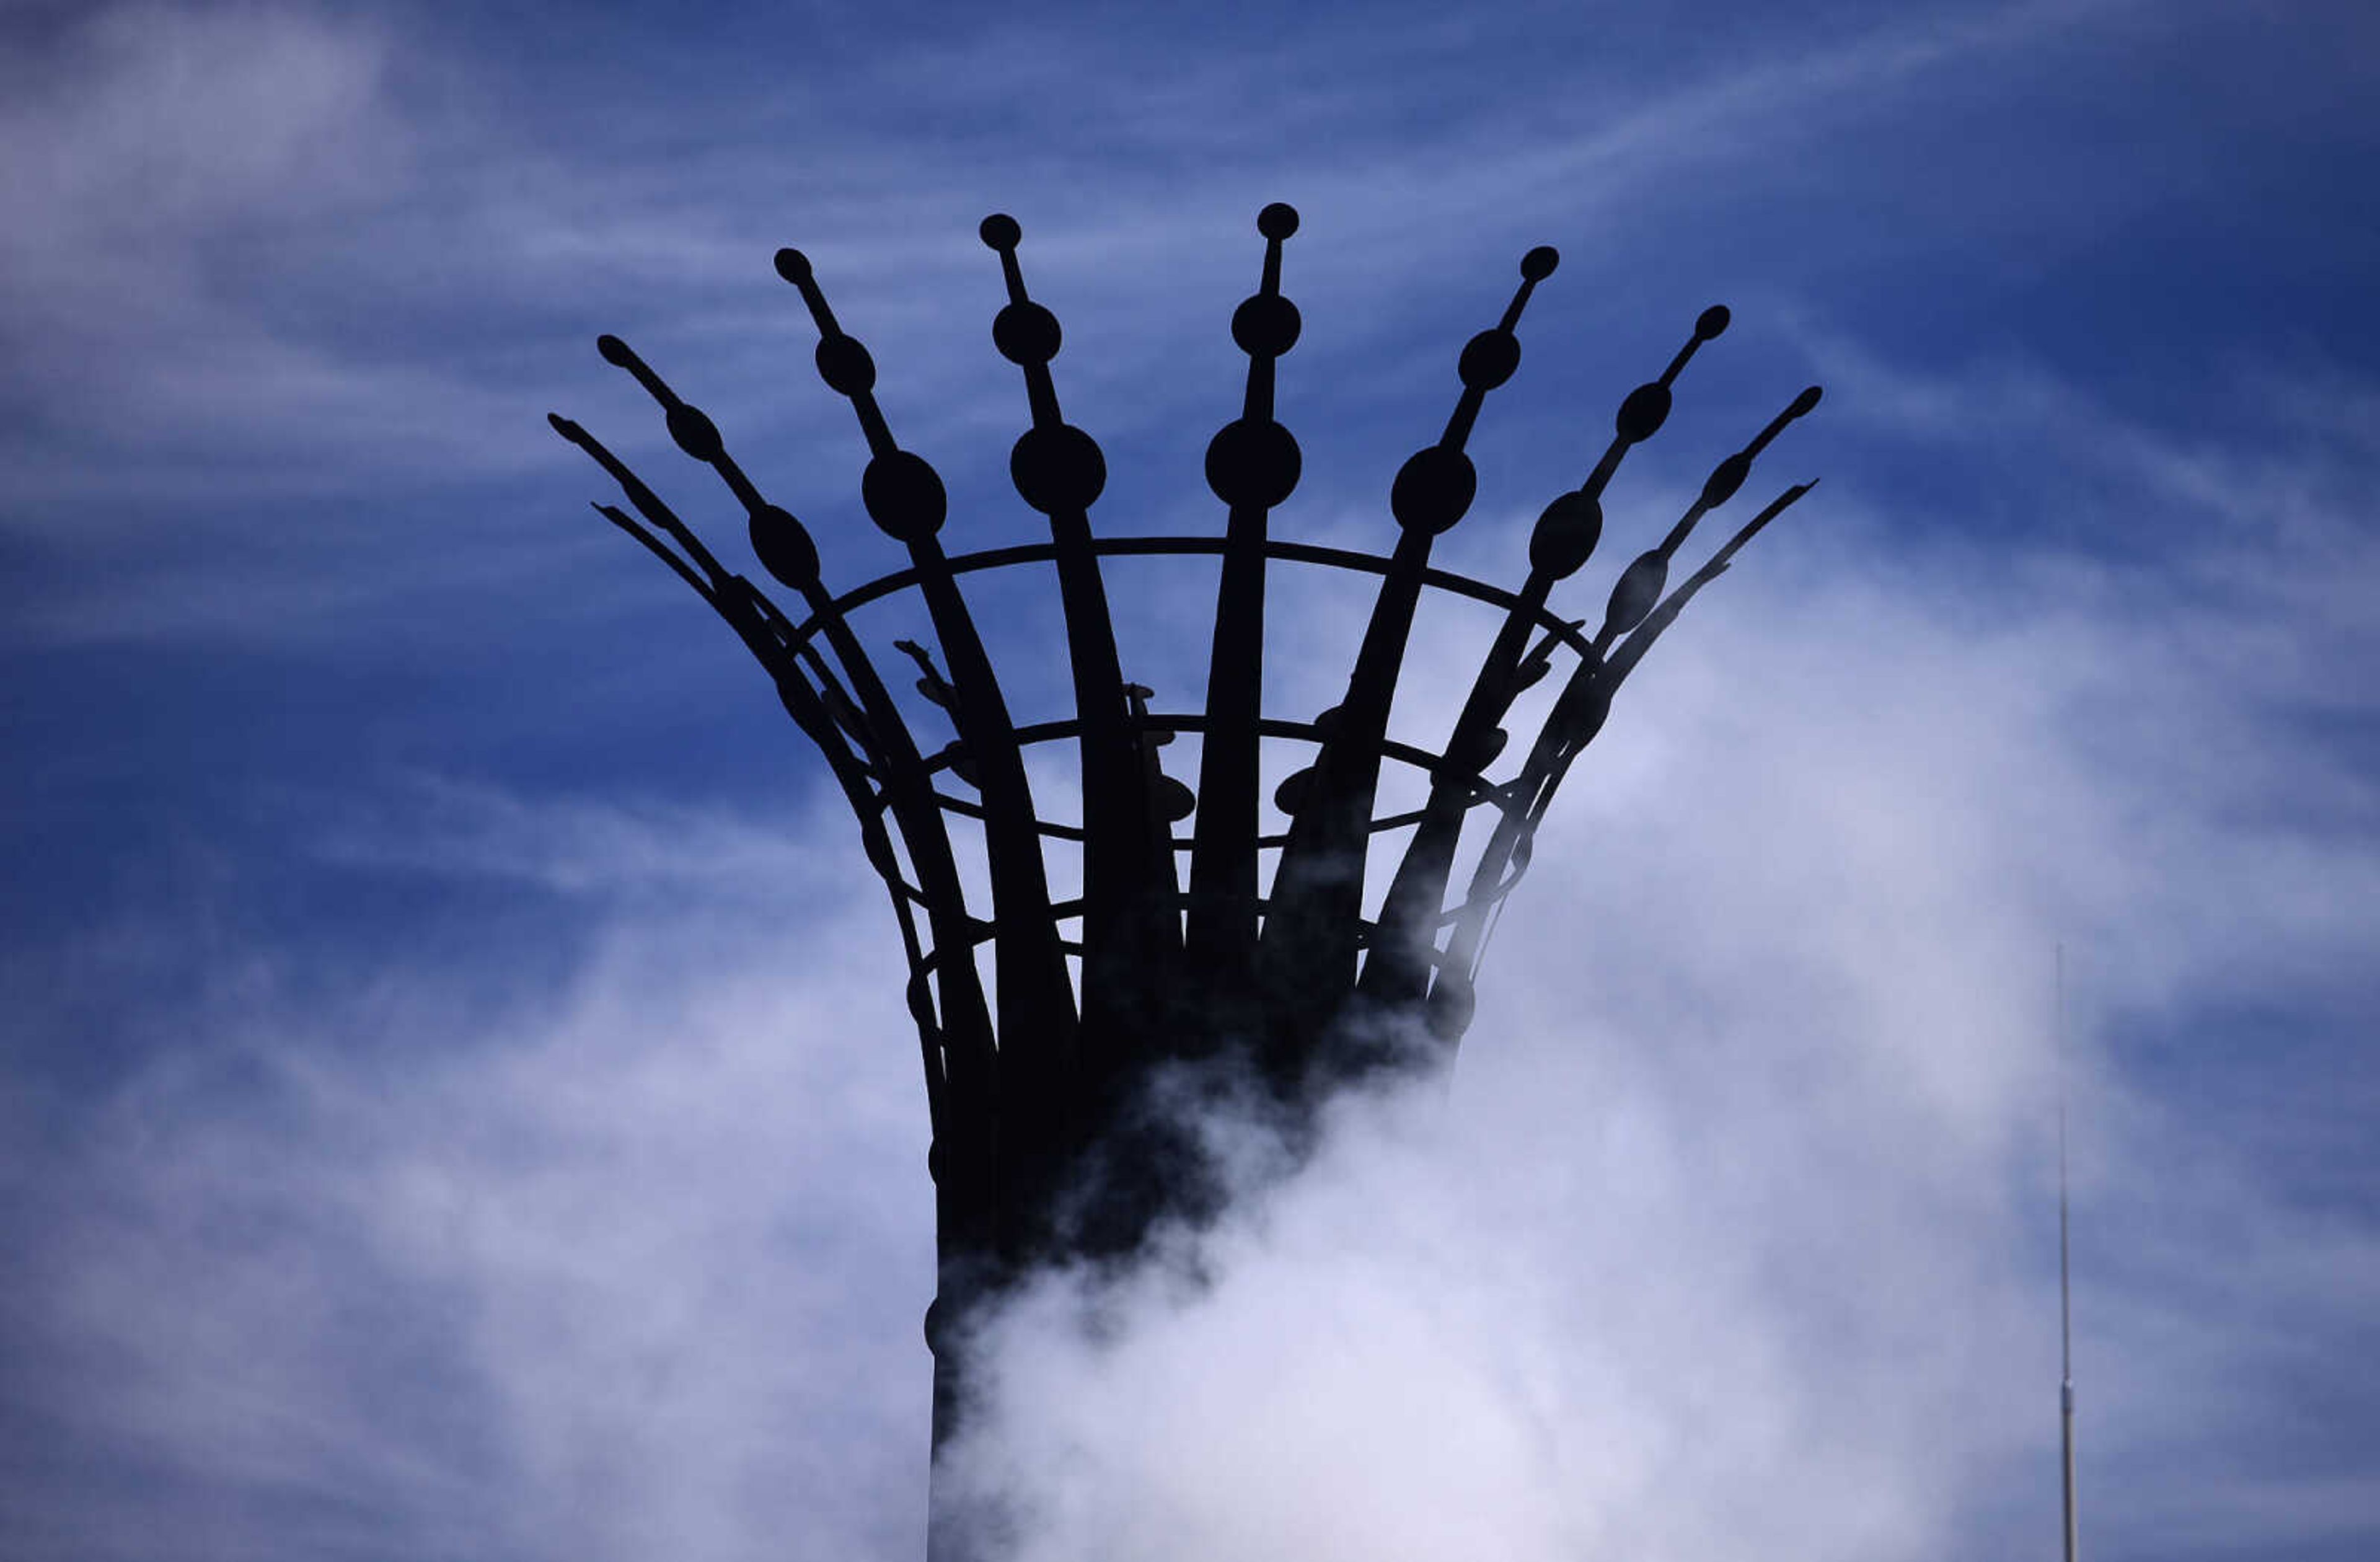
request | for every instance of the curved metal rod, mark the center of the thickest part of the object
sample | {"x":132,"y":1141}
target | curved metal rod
{"x":729,"y":594}
{"x":1251,"y":465}
{"x":1131,"y":934}
{"x":809,"y":713}
{"x":970,"y":809}
{"x":1271,"y":726}
{"x":1580,"y":712}
{"x":1577,"y":717}
{"x":962,"y":1032}
{"x":982,"y":932}
{"x":904,"y":497}
{"x":1398,"y":970}
{"x":661,"y":550}
{"x":1562,"y":630}
{"x":1305,"y":958}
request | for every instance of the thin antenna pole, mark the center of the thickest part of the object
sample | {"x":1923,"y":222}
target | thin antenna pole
{"x":2065,"y":1312}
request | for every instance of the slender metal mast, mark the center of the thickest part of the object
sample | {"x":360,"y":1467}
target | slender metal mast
{"x":2065,"y":1311}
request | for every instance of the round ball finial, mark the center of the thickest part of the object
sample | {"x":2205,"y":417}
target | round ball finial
{"x":1289,"y":796}
{"x":1278,"y":220}
{"x":793,"y":266}
{"x":1643,"y":413}
{"x":937,"y":1330}
{"x":1725,"y":478}
{"x":614,"y":350}
{"x":1566,"y":534}
{"x":1539,"y":263}
{"x":1711,"y":322}
{"x":1471,"y":757}
{"x":694,"y":432}
{"x":1433,"y":489}
{"x":1025,"y":334}
{"x":844,"y":363}
{"x":1489,"y":360}
{"x":784,"y":547}
{"x":1265,"y":325}
{"x":1253,"y":464}
{"x":1636,"y":592}
{"x":904,"y":497}
{"x":1058,"y":468}
{"x":1000,"y":232}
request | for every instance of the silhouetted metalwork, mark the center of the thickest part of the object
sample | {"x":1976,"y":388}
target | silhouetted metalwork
{"x":1049,"y":1143}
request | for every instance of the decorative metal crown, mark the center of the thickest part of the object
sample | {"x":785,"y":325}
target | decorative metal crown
{"x":1038,"y":1095}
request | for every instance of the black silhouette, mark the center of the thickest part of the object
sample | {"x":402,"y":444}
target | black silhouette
{"x":1048,"y":1145}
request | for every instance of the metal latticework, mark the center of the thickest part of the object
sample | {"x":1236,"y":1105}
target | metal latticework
{"x":1180,"y":950}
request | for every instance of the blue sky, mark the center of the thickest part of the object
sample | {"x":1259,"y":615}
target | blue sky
{"x":456,"y":1104}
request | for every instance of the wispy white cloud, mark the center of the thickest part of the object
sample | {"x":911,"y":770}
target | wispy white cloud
{"x":1743,"y":1242}
{"x":264,"y":246}
{"x":1734,"y":1235}
{"x":633,"y":1267}
{"x":442,"y":827}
